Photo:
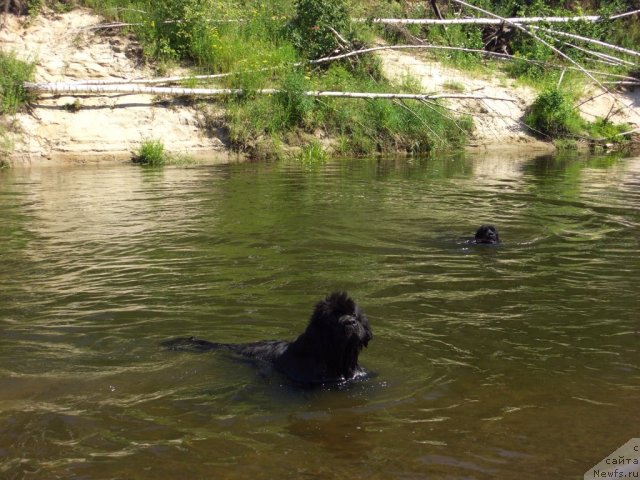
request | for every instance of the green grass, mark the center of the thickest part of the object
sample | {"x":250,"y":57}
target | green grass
{"x":13,"y":73}
{"x":311,"y":154}
{"x":6,"y":145}
{"x":360,"y":126}
{"x":151,"y":153}
{"x":602,"y":129}
{"x":553,"y":114}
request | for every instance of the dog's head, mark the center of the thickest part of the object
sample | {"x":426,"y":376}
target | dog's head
{"x":337,"y":332}
{"x":487,"y":234}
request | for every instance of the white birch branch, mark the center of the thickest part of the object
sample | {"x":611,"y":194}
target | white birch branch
{"x":602,"y":56}
{"x":588,"y":40}
{"x":65,"y":88}
{"x":478,"y":21}
{"x":621,"y":15}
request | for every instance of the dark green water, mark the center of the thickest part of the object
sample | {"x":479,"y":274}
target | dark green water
{"x":520,"y":361}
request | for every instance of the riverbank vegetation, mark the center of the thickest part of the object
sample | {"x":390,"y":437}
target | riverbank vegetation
{"x":13,"y":74}
{"x":253,"y":45}
{"x":13,"y":96}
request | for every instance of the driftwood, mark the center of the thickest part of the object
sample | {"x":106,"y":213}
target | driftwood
{"x":66,"y":88}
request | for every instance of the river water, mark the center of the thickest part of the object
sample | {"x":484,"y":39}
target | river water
{"x":516,"y":361}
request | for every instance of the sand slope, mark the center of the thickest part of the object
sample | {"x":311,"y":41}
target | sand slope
{"x":500,"y":123}
{"x":112,"y":125}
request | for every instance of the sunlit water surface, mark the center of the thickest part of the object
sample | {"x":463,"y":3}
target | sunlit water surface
{"x":517,"y":361}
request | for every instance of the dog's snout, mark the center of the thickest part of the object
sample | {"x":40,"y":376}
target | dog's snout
{"x":349,"y":321}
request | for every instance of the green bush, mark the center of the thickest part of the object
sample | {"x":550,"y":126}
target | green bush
{"x":177,"y":26}
{"x":310,"y":29}
{"x":552,"y":114}
{"x":13,"y":74}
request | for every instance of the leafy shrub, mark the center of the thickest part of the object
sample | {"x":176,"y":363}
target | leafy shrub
{"x":13,"y":74}
{"x":310,"y":29}
{"x":602,"y":128}
{"x":174,"y":25}
{"x":552,"y":114}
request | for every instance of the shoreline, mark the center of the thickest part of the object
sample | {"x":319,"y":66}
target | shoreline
{"x":110,"y":127}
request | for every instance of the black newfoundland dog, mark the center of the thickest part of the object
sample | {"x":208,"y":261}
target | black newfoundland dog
{"x":326,"y":352}
{"x":487,"y":234}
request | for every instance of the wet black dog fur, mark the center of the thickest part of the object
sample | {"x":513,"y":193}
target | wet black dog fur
{"x":326,"y":352}
{"x":487,"y":234}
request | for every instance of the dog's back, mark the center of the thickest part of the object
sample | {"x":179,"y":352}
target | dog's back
{"x":267,"y":350}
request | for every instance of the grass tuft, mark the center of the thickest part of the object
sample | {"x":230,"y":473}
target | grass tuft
{"x":311,"y":154}
{"x":151,"y":153}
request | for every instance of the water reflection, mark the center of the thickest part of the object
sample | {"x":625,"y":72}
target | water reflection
{"x":513,"y":362}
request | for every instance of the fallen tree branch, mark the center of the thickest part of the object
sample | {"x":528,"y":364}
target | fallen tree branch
{"x":602,"y":56}
{"x":493,"y":21}
{"x":588,"y":40}
{"x":66,"y":88}
{"x":635,"y":84}
{"x":630,"y":132}
{"x":478,"y":21}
